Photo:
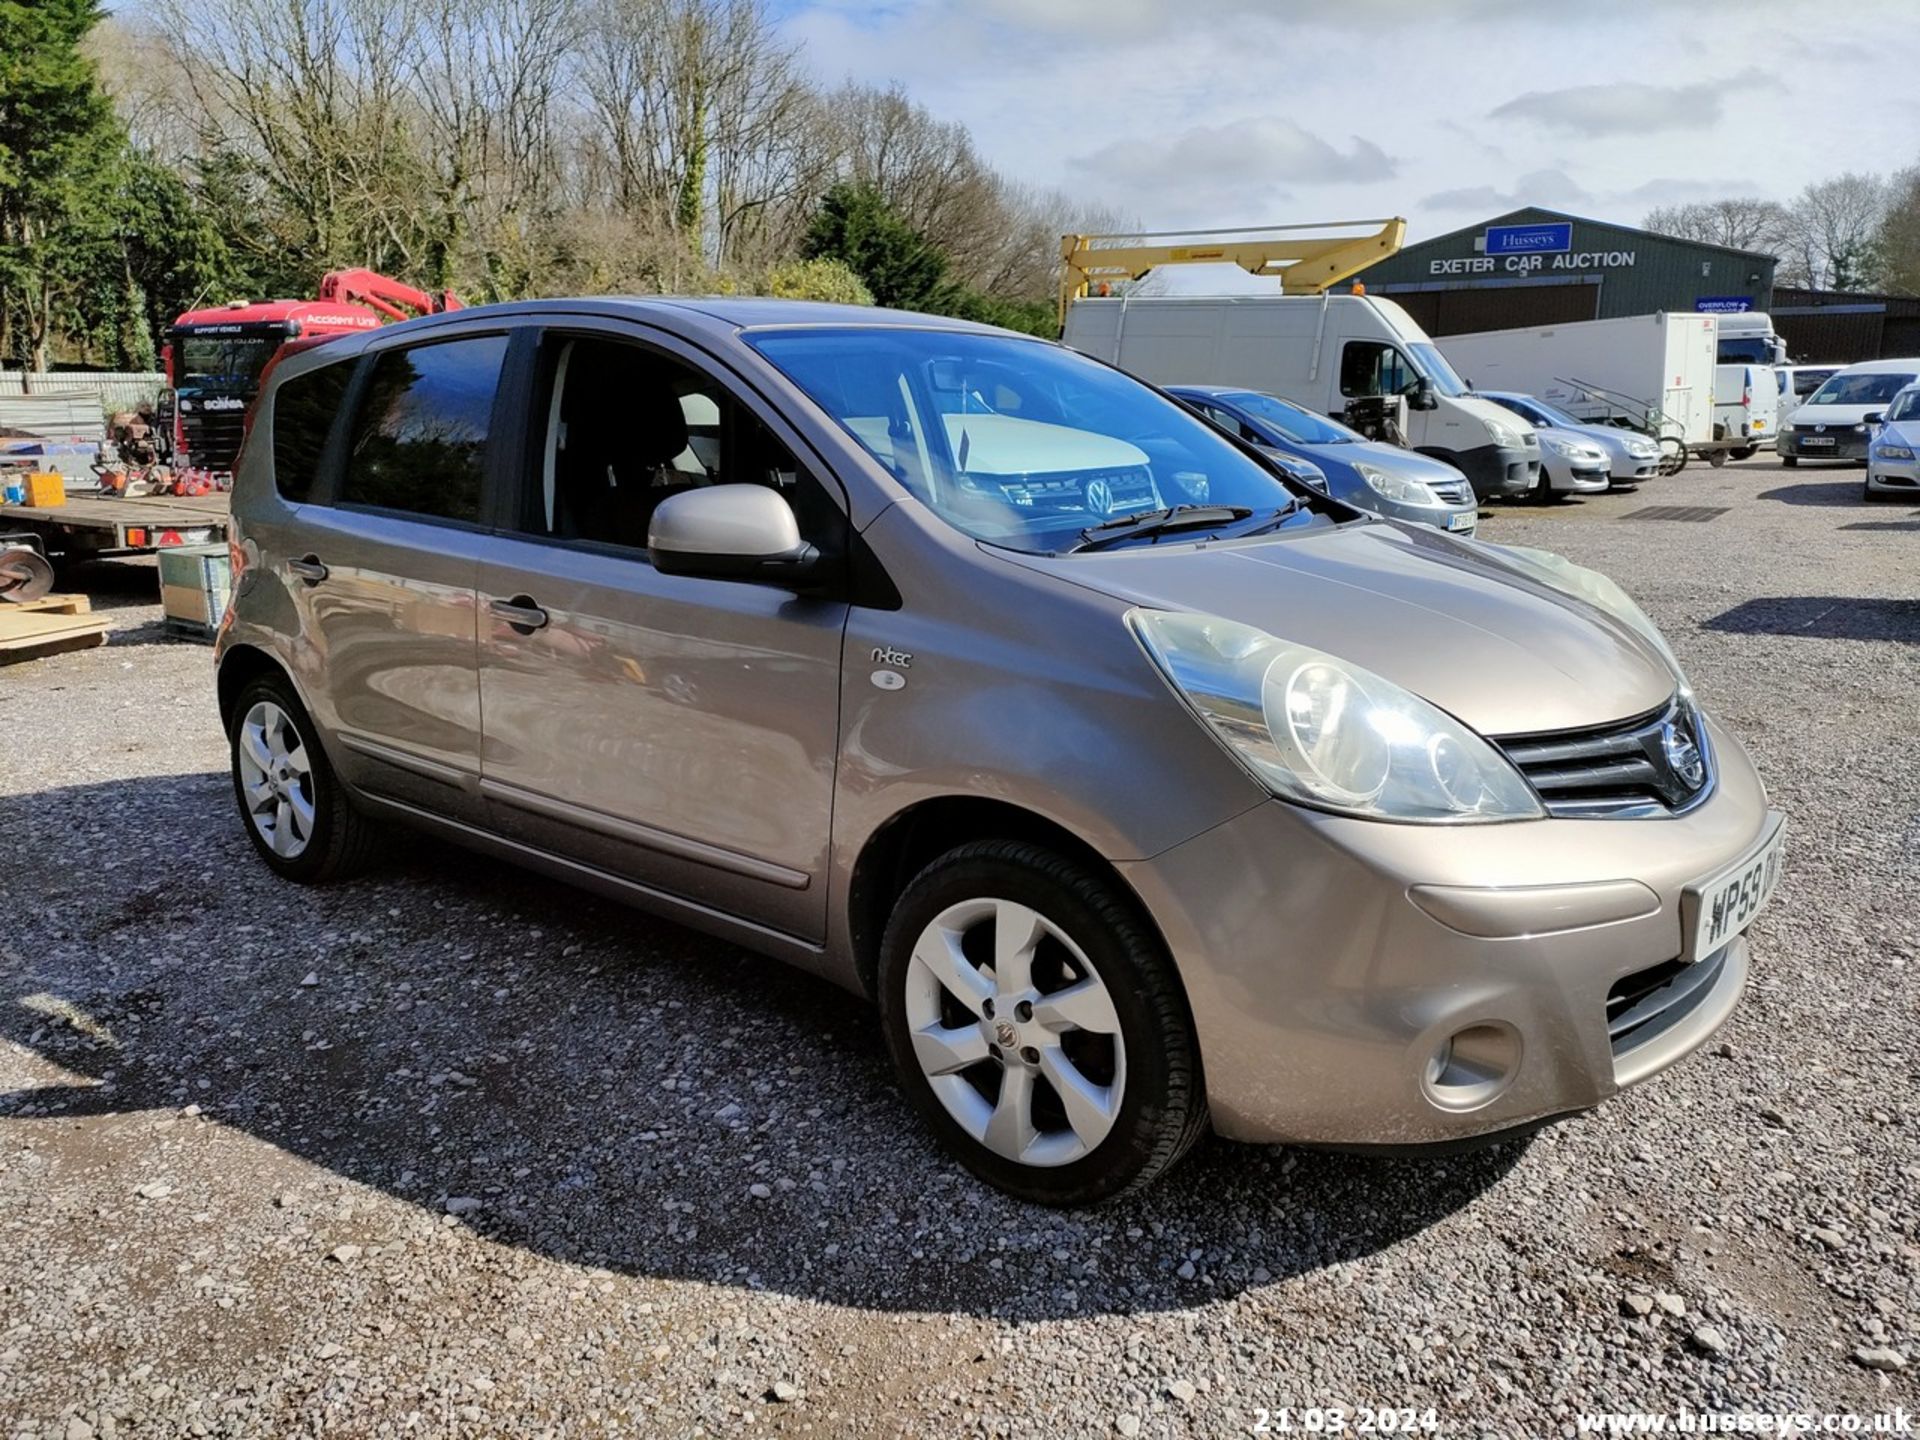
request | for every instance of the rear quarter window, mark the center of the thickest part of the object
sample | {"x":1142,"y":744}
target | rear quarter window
{"x":303,"y":413}
{"x":420,"y":438}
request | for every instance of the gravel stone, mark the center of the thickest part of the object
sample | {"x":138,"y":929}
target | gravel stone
{"x":1881,"y":1359}
{"x":612,"y":1087}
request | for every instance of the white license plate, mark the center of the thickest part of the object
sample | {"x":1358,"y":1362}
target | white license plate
{"x":1726,"y":904}
{"x":1462,"y":522}
{"x":1814,"y":442}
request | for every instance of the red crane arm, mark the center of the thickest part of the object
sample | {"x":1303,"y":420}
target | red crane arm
{"x":384,"y":294}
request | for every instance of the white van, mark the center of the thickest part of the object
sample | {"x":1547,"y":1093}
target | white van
{"x":1320,"y":351}
{"x":1746,"y":406}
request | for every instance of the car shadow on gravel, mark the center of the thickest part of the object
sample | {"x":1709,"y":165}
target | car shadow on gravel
{"x":612,"y":1090}
{"x":1823,"y":617}
{"x":1842,"y":489}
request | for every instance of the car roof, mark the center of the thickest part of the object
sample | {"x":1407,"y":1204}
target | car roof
{"x":1882,"y":367}
{"x":715,"y":317}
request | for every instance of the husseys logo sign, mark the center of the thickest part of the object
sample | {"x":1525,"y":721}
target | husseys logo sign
{"x":1524,"y":249}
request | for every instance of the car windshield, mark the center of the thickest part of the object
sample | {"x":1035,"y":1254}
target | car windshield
{"x":1867,"y":388}
{"x":1303,"y":427}
{"x":1747,"y":350}
{"x":1906,"y":406}
{"x":1019,"y":442}
{"x":230,"y":360}
{"x":1435,"y":367}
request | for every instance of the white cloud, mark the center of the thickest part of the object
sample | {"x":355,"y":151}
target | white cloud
{"x":1553,"y":189}
{"x":1237,"y":165}
{"x":1624,"y":107}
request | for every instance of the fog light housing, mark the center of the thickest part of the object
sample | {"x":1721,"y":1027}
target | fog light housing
{"x":1473,"y":1066}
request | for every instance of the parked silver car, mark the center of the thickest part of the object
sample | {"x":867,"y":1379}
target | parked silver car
{"x":1369,"y":475}
{"x":1142,"y":790}
{"x":1629,"y":457}
{"x":1893,"y":456}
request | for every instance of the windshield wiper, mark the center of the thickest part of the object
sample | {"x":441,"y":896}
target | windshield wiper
{"x":1276,"y":519}
{"x":1156,"y":522}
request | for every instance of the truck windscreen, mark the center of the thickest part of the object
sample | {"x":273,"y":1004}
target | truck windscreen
{"x":233,"y":361}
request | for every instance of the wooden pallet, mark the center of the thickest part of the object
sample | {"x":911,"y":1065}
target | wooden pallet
{"x":48,"y":605}
{"x":30,"y":633}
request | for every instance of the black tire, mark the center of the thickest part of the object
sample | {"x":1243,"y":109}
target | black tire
{"x":343,"y":840}
{"x":1716,"y":458}
{"x":1746,"y":452}
{"x":1789,"y":461}
{"x":1163,"y":1107}
{"x":1542,"y":492}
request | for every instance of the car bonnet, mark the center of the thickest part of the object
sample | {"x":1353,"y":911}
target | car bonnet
{"x":1443,"y":618}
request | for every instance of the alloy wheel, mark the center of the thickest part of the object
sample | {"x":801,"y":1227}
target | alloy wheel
{"x":276,"y":779}
{"x":1015,"y":1032}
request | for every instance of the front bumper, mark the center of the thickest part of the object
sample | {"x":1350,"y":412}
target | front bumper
{"x":1893,"y":477}
{"x":1581,"y":480}
{"x":1330,"y":961}
{"x":1496,"y":470}
{"x":1630,"y":468}
{"x":1848,"y":444}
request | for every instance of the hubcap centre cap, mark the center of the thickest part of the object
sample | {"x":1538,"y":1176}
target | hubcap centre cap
{"x":1006,"y":1035}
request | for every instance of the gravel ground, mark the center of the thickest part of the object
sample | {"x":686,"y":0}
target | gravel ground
{"x":459,"y":1152}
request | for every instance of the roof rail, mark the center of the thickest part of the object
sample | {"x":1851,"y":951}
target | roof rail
{"x":1307,"y":259}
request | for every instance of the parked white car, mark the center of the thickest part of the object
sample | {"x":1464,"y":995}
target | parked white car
{"x":1796,"y":382}
{"x":1631,"y":456}
{"x":1833,"y":424}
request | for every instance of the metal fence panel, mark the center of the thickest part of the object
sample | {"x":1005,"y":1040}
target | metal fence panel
{"x":115,"y":389}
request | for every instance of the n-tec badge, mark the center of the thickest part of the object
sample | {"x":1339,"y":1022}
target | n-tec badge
{"x":887,"y":655}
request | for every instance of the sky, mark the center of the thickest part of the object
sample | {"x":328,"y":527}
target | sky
{"x":1212,"y":113}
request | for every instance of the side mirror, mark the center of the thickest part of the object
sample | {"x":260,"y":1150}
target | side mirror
{"x":1423,"y":397}
{"x":731,"y":532}
{"x":1878,"y":417}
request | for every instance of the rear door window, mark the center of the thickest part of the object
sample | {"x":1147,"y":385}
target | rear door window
{"x":420,"y":437}
{"x":303,"y":413}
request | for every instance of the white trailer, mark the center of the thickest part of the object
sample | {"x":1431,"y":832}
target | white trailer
{"x":1655,"y":372}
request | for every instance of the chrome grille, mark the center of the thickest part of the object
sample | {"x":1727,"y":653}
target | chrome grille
{"x":1454,"y":492}
{"x":1644,"y":1005}
{"x":1619,"y":770}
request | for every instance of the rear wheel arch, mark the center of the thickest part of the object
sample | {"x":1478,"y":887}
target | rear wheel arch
{"x":241,"y":664}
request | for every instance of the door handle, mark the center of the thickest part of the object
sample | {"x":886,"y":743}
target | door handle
{"x":310,"y":569}
{"x":520,"y":613}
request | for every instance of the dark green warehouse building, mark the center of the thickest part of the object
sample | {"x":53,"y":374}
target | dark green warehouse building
{"x":1540,"y":267}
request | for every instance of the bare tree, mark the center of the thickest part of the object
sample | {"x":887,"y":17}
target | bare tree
{"x":1897,"y":246}
{"x":1834,"y":225}
{"x":1742,"y":222}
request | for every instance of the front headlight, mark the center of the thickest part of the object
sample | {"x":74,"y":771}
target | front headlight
{"x":1892,"y":452}
{"x":1597,"y":590}
{"x":1395,"y":487}
{"x":1642,"y":450}
{"x":1572,"y":449}
{"x":1505,"y":436}
{"x":1321,"y":732}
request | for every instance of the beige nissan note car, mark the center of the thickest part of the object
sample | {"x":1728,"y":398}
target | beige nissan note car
{"x":1140,"y":789}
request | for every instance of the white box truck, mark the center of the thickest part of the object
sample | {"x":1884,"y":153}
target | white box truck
{"x":1321,"y":351}
{"x":1652,"y":371}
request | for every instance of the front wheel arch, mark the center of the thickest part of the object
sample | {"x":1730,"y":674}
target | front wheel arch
{"x":903,"y":845}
